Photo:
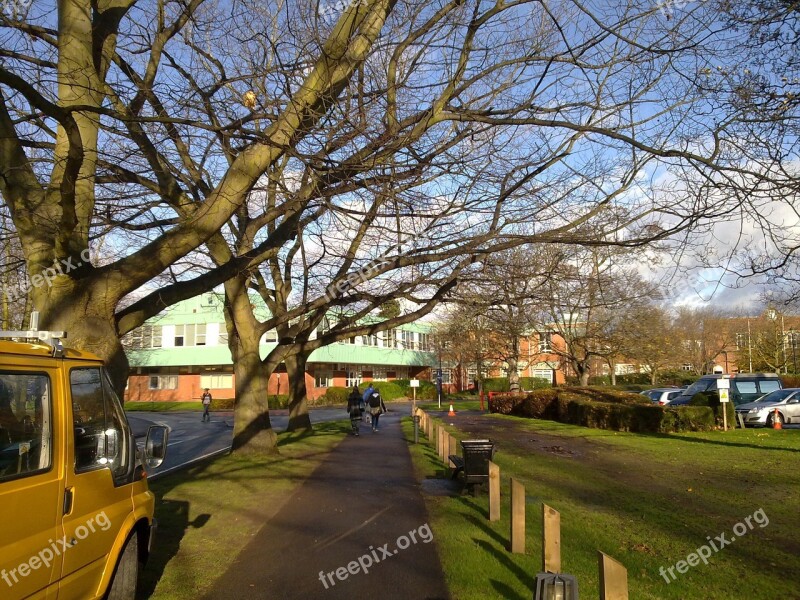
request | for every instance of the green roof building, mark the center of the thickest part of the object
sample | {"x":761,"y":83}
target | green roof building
{"x":184,"y":350}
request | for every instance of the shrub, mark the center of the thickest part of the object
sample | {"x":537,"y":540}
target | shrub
{"x":425,"y":391}
{"x":335,"y":395}
{"x":603,"y":409}
{"x":389,"y":390}
{"x":495,"y":384}
{"x":278,"y":401}
{"x":223,"y":403}
{"x":711,"y":400}
{"x":534,"y":383}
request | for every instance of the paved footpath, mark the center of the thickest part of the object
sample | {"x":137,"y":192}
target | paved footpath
{"x":361,"y":509}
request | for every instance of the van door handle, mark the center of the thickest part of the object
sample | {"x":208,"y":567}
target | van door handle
{"x":68,"y":493}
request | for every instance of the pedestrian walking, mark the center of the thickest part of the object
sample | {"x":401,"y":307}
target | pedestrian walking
{"x":365,"y":399}
{"x":354,"y":403}
{"x":376,"y":408}
{"x":206,"y":400}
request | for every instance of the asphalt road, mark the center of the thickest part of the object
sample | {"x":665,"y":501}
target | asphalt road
{"x":190,"y":439}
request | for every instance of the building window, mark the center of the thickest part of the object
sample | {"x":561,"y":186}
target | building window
{"x":447,"y":376}
{"x":323,"y":328}
{"x":216,"y":381}
{"x":270,"y":337}
{"x":369,"y":340}
{"x":192,"y":334}
{"x":146,"y":336}
{"x":408,"y":339}
{"x":163,"y":382}
{"x":544,"y":346}
{"x":424,"y":342}
{"x":390,"y":338}
{"x":322,"y":379}
{"x":223,"y":335}
{"x":353,"y":378}
{"x":379,"y":374}
{"x":741,"y":341}
{"x":687,"y":367}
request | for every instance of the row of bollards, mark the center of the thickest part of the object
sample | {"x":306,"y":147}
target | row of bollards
{"x":613,"y":575}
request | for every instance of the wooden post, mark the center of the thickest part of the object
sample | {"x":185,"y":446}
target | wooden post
{"x":613,"y":578}
{"x":444,"y":445}
{"x":452,"y":447}
{"x":441,"y":439}
{"x":494,"y":492}
{"x":517,"y":517}
{"x":551,"y":540}
{"x":437,"y":434}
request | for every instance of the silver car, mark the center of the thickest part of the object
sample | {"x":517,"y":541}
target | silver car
{"x":662,"y":396}
{"x":762,"y":411}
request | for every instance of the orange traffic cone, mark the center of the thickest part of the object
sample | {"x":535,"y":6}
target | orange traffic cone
{"x":776,"y":419}
{"x":452,"y":413}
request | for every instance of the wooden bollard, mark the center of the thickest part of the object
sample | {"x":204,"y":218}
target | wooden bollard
{"x":551,"y":540}
{"x":494,"y":492}
{"x":517,"y":517}
{"x":613,"y":578}
{"x":452,"y":447}
{"x":443,"y":445}
{"x":437,"y":434}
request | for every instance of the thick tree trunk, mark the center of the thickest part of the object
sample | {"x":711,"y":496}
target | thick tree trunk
{"x":252,"y":429}
{"x":87,"y":320}
{"x":299,"y":418}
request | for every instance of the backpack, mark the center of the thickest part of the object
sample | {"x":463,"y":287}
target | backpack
{"x":375,"y":400}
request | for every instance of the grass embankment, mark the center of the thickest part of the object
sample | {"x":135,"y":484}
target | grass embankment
{"x":208,"y":513}
{"x":647,"y":500}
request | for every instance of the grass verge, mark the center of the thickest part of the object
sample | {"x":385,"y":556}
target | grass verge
{"x":647,"y":500}
{"x":208,"y":513}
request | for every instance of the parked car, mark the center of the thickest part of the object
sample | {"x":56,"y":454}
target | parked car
{"x":662,"y":396}
{"x":745,"y":387}
{"x":70,"y":471}
{"x":762,"y":412}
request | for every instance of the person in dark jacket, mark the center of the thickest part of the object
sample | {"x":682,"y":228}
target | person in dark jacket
{"x":376,"y":408}
{"x":354,"y":402}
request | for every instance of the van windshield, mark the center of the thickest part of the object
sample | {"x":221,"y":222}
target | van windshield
{"x":698,"y":386}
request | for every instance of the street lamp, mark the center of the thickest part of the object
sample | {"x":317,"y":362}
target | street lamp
{"x":555,"y":586}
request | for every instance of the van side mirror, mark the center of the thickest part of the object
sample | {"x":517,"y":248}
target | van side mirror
{"x":155,"y":446}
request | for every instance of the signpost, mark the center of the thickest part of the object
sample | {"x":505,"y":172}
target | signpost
{"x":439,"y":385}
{"x":723,"y":387}
{"x":414,"y":383}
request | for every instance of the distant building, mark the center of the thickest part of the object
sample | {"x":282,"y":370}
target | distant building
{"x":176,"y":355}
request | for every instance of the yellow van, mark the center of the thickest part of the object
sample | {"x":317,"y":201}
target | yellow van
{"x":76,"y":515}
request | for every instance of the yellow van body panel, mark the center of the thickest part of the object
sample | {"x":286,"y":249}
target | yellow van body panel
{"x":88,"y":540}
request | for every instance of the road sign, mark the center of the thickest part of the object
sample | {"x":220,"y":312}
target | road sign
{"x":723,"y":384}
{"x":723,"y":395}
{"x":414,"y":383}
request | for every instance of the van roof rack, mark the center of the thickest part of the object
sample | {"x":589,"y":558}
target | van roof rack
{"x":51,"y":338}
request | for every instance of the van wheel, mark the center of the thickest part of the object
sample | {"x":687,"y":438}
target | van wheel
{"x":123,"y":584}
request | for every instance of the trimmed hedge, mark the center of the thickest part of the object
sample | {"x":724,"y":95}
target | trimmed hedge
{"x":501,"y":384}
{"x":425,"y":391}
{"x":603,"y":409}
{"x":278,"y":401}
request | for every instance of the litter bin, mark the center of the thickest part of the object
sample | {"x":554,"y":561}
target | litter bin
{"x":477,"y":454}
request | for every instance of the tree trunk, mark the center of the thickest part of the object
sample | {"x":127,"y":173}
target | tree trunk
{"x":299,"y":418}
{"x":513,"y":375}
{"x":88,"y":322}
{"x":583,"y":374}
{"x":252,"y":429}
{"x":653,"y":376}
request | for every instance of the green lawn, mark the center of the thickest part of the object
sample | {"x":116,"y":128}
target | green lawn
{"x":647,"y":500}
{"x":208,"y":513}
